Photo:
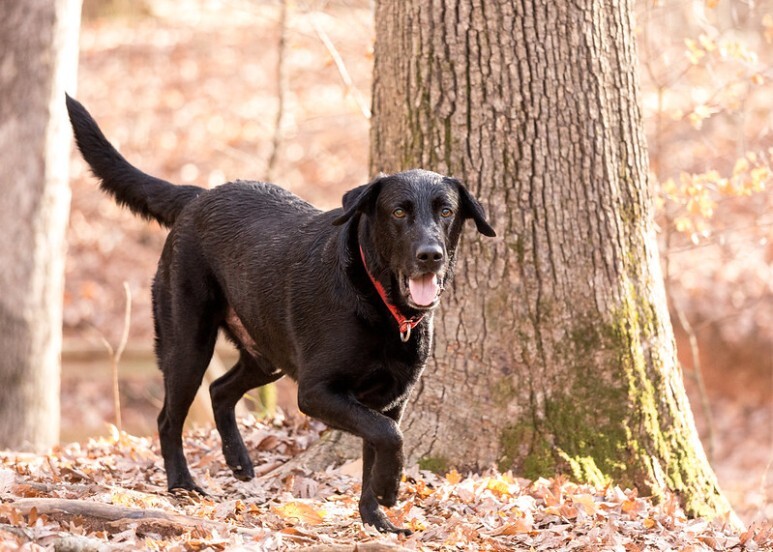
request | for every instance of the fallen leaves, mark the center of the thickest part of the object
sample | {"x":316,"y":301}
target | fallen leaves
{"x":295,"y":512}
{"x":112,"y":490}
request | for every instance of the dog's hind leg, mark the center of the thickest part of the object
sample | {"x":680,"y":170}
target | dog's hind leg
{"x":186,"y":326}
{"x":248,"y":373}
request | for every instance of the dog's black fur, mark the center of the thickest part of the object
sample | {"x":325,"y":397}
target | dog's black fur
{"x":287,"y":284}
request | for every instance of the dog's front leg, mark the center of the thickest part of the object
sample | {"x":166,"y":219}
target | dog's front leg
{"x":385,"y":485}
{"x":382,"y":446}
{"x":369,"y":501}
{"x":370,"y":512}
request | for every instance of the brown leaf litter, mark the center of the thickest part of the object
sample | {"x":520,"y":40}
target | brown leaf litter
{"x":110,"y":494}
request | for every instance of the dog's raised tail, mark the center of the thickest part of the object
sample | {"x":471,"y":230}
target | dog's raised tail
{"x":145,"y":195}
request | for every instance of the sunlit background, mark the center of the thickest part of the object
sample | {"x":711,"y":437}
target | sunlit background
{"x":205,"y":91}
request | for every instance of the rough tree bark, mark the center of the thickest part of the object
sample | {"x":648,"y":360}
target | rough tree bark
{"x":554,"y":353}
{"x":38,"y":57}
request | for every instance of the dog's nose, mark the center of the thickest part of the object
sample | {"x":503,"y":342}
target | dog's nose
{"x":430,"y":254}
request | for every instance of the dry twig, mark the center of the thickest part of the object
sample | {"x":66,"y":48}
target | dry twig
{"x":115,"y":354}
{"x":341,"y":66}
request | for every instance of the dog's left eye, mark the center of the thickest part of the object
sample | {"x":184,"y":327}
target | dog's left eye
{"x":445,"y":212}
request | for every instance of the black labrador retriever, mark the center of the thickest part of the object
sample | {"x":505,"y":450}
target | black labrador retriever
{"x":341,"y":301}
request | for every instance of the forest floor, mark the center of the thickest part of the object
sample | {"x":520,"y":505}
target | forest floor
{"x":109,"y":493}
{"x":190,"y":95}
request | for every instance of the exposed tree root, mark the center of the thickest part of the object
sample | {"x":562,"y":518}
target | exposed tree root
{"x":332,"y":449}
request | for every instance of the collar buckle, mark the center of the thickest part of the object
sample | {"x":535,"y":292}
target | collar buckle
{"x":405,"y":324}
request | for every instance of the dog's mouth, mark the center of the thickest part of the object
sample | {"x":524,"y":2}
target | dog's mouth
{"x":422,"y":291}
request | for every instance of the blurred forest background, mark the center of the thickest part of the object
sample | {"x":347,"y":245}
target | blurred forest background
{"x":206,"y":91}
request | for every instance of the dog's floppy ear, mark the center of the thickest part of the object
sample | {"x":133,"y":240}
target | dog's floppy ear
{"x":361,"y":199}
{"x":471,"y":208}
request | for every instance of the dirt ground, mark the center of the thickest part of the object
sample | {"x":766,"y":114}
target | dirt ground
{"x":189,"y":94}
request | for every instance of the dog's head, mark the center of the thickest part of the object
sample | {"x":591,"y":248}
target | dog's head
{"x":412,"y":224}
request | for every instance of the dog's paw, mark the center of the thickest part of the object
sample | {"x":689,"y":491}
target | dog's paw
{"x":243,"y":472}
{"x":186,"y":488}
{"x":383,"y":525}
{"x":385,"y":489}
{"x":387,"y":499}
{"x":238,"y":460}
{"x":378,"y":519}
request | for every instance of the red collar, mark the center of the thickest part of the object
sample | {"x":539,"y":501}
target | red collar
{"x":405,"y":324}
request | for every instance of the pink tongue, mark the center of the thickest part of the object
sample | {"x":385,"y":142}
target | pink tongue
{"x":424,"y":289}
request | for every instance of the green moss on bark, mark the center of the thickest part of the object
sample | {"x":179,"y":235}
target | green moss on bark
{"x":435,"y":464}
{"x":660,"y":427}
{"x":522,"y":446}
{"x":519,"y":248}
{"x":503,"y":391}
{"x":618,"y":419}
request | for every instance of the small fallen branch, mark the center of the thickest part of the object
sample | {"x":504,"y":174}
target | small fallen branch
{"x":123,"y":515}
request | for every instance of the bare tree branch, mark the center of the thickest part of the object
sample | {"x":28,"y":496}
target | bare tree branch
{"x":281,"y":84}
{"x":341,"y":66}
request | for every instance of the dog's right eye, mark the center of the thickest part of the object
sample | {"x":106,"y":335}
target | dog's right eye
{"x":399,"y":213}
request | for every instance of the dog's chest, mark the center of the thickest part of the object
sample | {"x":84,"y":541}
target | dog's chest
{"x":386,"y":384}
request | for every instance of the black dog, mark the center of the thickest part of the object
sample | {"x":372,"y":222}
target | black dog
{"x":341,"y":301}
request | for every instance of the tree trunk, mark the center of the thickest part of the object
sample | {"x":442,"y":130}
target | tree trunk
{"x":38,"y":56}
{"x":554,"y":353}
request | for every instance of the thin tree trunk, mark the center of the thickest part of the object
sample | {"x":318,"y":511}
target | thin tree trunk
{"x":555,"y":352}
{"x":38,"y":56}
